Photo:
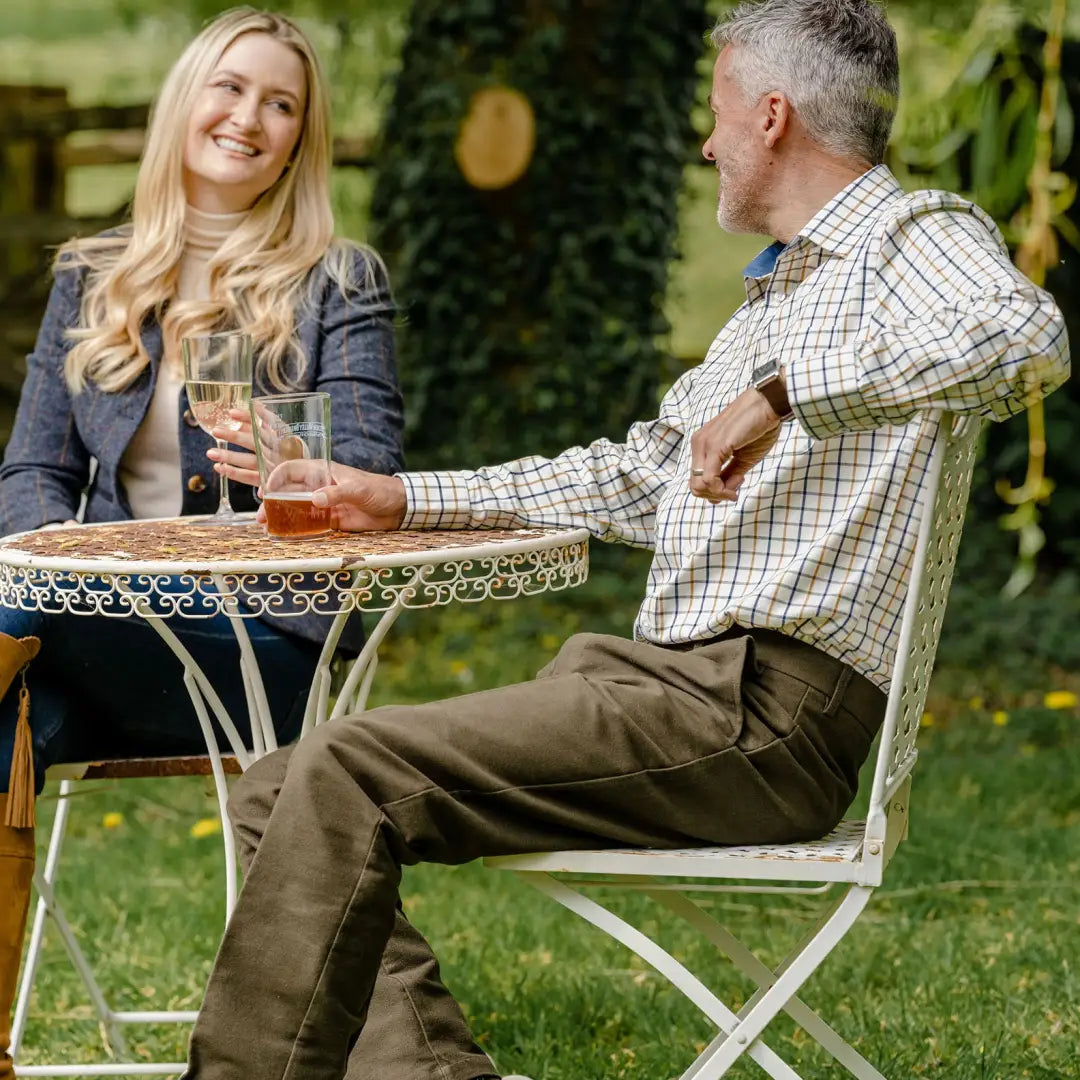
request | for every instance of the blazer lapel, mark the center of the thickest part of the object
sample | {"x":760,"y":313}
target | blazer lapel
{"x":128,"y":407}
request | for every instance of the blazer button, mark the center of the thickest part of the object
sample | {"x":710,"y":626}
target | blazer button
{"x":196,"y":484}
{"x":189,"y":418}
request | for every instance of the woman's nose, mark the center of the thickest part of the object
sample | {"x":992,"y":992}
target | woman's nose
{"x":245,"y":114}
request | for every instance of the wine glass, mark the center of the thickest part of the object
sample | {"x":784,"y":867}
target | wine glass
{"x":217,"y":369}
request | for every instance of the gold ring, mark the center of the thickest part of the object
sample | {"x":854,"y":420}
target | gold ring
{"x":697,"y":472}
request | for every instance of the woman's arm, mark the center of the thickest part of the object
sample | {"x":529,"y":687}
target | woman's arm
{"x":356,"y":364}
{"x":46,"y":466}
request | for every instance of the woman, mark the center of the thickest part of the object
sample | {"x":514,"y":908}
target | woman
{"x":231,"y":227}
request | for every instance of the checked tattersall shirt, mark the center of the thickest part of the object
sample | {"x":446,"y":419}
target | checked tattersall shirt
{"x":883,"y":307}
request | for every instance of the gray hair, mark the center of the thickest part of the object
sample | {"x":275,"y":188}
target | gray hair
{"x":835,"y":60}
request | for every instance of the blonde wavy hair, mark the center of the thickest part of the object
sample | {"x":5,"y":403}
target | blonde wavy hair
{"x":261,"y":273}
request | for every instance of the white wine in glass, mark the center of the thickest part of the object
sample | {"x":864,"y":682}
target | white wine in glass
{"x":217,"y":370}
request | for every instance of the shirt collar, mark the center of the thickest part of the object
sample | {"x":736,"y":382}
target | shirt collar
{"x":836,"y":227}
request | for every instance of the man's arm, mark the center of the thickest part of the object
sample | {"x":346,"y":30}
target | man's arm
{"x":956,"y":327}
{"x":609,"y":488}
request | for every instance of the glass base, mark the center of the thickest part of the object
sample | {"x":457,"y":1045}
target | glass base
{"x":299,"y":536}
{"x":232,"y":518}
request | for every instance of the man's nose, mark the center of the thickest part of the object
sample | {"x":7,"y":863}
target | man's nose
{"x":706,"y":150}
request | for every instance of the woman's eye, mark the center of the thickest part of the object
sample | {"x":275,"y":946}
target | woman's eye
{"x":282,"y":107}
{"x":231,"y":87}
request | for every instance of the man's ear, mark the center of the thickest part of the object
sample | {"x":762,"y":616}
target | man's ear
{"x":776,"y":117}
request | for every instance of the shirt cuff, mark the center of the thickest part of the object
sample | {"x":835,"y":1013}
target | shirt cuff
{"x":826,"y":392}
{"x":436,"y":500}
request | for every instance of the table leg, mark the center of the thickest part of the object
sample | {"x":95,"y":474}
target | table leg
{"x":262,"y":722}
{"x":364,"y":665}
{"x":221,"y":789}
{"x":202,"y":693}
{"x":319,"y":694}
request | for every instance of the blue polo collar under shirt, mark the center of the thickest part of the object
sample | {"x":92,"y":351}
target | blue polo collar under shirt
{"x":763,"y":263}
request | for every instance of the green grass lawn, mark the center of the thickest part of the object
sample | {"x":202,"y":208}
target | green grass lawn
{"x":964,"y":966}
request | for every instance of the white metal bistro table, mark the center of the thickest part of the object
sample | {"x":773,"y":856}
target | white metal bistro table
{"x":178,"y":567}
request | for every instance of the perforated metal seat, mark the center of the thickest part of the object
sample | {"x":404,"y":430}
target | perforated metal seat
{"x":833,"y":858}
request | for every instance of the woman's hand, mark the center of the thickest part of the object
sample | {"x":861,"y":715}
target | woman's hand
{"x":239,"y":465}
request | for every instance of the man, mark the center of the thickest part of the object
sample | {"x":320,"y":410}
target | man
{"x":776,"y":486}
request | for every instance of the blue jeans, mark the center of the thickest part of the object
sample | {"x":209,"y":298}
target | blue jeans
{"x":110,"y":687}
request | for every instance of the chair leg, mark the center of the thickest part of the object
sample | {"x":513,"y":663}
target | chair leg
{"x":47,"y":905}
{"x":676,"y":973}
{"x":751,"y":966}
{"x":800,"y":964}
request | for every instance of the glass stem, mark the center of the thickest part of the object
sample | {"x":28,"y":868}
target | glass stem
{"x":224,"y":506}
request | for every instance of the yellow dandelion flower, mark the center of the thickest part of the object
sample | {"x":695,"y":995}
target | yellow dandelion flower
{"x":206,"y":826}
{"x":976,"y":703}
{"x":457,"y":667}
{"x":113,"y":820}
{"x":1060,"y":699}
{"x":550,"y":642}
{"x":927,"y":720}
{"x":1001,"y":718}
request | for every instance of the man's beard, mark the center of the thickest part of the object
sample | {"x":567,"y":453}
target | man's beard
{"x":740,"y":209}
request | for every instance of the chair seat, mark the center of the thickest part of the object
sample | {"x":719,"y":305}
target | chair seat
{"x":137,"y":768}
{"x":835,"y":857}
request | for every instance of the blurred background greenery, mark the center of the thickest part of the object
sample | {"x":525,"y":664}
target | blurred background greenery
{"x":619,"y":288}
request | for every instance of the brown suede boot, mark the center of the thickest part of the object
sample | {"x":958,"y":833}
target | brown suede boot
{"x":16,"y":876}
{"x":15,"y":657}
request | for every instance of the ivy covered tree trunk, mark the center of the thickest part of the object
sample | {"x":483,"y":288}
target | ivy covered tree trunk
{"x":531,"y":291}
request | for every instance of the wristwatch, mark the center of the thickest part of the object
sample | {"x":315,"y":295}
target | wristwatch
{"x":768,"y":381}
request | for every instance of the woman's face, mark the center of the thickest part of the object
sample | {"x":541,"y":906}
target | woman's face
{"x":244,"y":125}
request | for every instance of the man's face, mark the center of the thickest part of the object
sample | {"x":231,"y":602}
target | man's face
{"x":737,"y":147}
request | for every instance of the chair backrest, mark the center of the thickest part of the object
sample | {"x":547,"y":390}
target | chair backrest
{"x":942,"y":502}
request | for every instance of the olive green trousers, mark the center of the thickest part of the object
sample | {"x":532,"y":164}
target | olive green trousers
{"x":751,"y":738}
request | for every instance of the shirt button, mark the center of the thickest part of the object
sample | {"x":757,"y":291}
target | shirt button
{"x":189,"y":418}
{"x":196,"y":485}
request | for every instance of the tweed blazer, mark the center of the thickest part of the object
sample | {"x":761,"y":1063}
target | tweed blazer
{"x":348,"y":340}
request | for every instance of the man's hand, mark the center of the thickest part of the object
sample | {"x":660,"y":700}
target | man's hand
{"x":361,"y":501}
{"x":725,"y":449}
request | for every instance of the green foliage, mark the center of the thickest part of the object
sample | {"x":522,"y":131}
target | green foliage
{"x":532,"y":313}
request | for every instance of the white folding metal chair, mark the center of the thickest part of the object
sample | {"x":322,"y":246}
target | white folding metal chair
{"x":854,"y":855}
{"x":110,"y":1020}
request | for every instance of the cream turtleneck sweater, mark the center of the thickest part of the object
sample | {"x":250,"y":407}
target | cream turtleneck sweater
{"x":150,"y":466}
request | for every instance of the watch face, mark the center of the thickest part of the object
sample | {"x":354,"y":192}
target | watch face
{"x":768,"y":370}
